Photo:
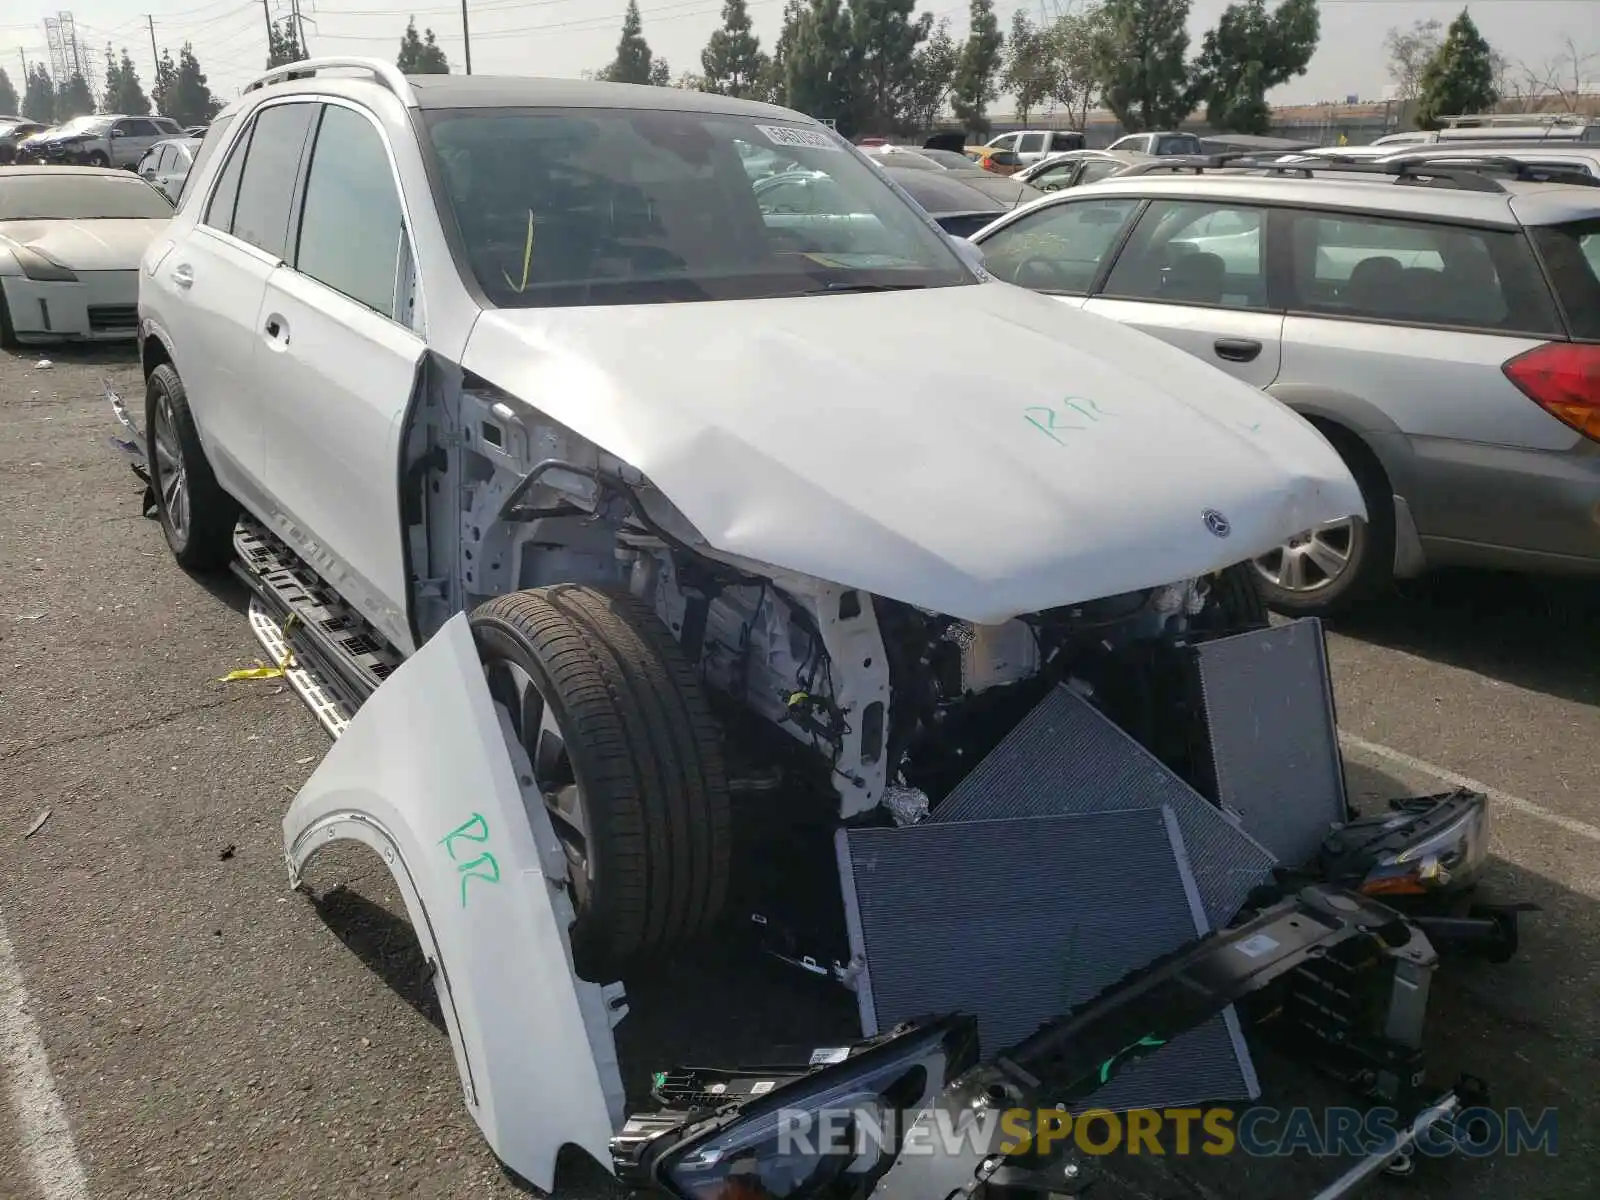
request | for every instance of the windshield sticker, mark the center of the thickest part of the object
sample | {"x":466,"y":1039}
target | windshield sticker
{"x":805,"y":139}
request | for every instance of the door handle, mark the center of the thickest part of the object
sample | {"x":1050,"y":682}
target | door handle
{"x":1241,"y":350}
{"x":182,"y":275}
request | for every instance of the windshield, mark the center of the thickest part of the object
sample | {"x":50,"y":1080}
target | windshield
{"x":85,"y":125}
{"x":942,"y":193}
{"x":46,"y":196}
{"x":622,"y":206}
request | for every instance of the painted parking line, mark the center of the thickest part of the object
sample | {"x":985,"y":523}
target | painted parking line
{"x":1504,"y":799}
{"x":48,"y":1151}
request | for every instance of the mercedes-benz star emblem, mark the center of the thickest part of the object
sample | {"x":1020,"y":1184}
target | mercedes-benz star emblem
{"x":1216,"y":523}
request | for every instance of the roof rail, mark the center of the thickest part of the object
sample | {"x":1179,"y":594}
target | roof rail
{"x":385,"y":73}
{"x":1481,"y":120}
{"x":1521,"y":171}
{"x":1198,"y":163}
{"x":1423,"y":173}
{"x":1404,"y":170}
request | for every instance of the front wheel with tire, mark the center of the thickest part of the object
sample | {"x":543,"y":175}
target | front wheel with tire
{"x":627,"y":757}
{"x":97,"y":159}
{"x":1333,"y":568}
{"x":196,"y":515}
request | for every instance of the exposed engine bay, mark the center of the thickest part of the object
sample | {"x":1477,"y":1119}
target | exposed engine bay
{"x":893,"y":702}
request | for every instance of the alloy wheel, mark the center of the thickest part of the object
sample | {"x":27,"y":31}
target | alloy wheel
{"x":1311,"y":561}
{"x":553,"y":774}
{"x":171,"y":476}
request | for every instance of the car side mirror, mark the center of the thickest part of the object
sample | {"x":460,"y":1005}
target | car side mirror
{"x":971,"y":253}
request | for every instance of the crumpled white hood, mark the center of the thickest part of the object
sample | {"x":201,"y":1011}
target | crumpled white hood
{"x":107,"y":244}
{"x":980,"y":451}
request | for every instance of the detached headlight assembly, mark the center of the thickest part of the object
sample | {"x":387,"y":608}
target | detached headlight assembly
{"x":37,"y":267}
{"x":831,"y":1132}
{"x":1426,"y":845}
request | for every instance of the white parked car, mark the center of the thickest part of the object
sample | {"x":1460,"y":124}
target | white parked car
{"x":70,"y":243}
{"x":601,"y":513}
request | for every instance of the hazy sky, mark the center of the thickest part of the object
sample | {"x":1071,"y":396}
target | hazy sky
{"x":562,"y":37}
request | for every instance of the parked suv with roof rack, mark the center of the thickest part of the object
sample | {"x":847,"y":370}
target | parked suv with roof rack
{"x":1438,"y":323}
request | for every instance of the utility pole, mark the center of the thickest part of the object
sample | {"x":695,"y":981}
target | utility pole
{"x":299,"y":28}
{"x":466,"y":36}
{"x":155,"y":55}
{"x":23,"y":59}
{"x":266,"y":11}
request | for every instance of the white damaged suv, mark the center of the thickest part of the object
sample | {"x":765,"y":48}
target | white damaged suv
{"x":592,"y":507}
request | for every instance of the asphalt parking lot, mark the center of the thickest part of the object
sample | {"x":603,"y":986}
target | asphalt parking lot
{"x":205,"y":1032}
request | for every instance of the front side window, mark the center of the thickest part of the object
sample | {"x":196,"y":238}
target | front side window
{"x":1058,"y":249}
{"x":1191,"y":252}
{"x":1185,"y":143}
{"x":620,"y":206}
{"x":1053,"y":179}
{"x":351,"y":227}
{"x":136,"y":128}
{"x":1008,"y":142}
{"x":1375,"y":268}
{"x":1031,"y":143}
{"x":266,"y":188}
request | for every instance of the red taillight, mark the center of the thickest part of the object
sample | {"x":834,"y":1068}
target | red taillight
{"x":1563,"y":379}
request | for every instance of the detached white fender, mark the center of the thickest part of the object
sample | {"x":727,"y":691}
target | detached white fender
{"x":427,"y":775}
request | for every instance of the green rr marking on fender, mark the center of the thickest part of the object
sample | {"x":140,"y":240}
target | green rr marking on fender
{"x":474,"y":830}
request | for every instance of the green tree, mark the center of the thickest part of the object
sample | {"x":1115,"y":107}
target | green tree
{"x":660,"y":73}
{"x":124,"y":94}
{"x":161,"y":91}
{"x":420,"y":55}
{"x":934,"y":70}
{"x":1410,"y":51}
{"x":1141,"y":51}
{"x":283,"y":43}
{"x":1460,"y":79}
{"x":39,"y":95}
{"x":1250,"y":52}
{"x":73,"y":98}
{"x":822,"y":71}
{"x":775,"y":79}
{"x":732,"y":61}
{"x":189,"y":101}
{"x":8,"y":94}
{"x":1030,"y":64}
{"x":978,"y":68}
{"x":1078,"y":77}
{"x":886,"y":38}
{"x":632,"y":62}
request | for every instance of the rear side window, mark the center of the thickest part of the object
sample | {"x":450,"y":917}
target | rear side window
{"x":219,"y":212}
{"x":351,"y":228}
{"x":1444,"y":275}
{"x":1058,"y":249}
{"x":1571,"y":254}
{"x":1191,"y":252}
{"x":1099,"y":168}
{"x":266,"y":188}
{"x":214,"y":137}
